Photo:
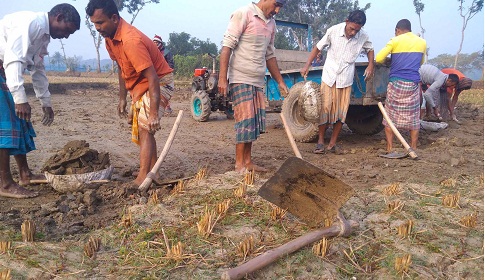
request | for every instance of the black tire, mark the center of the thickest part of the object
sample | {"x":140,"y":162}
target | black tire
{"x":200,"y":106}
{"x":302,"y":130}
{"x":364,"y":120}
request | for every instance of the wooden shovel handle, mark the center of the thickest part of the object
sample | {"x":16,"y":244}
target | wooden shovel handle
{"x":290,"y":137}
{"x":396,"y":132}
{"x":148,"y":180}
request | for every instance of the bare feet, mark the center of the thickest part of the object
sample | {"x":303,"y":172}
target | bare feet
{"x":16,"y":191}
{"x":33,"y":179}
{"x":240,"y":169}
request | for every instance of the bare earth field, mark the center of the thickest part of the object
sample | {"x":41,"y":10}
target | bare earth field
{"x":443,"y":243}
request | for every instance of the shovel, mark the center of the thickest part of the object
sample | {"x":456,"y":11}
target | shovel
{"x":305,"y":190}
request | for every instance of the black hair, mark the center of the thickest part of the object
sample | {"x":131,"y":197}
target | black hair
{"x":108,"y":6}
{"x":454,"y":78}
{"x":357,"y":16}
{"x":404,"y":24}
{"x":69,"y":12}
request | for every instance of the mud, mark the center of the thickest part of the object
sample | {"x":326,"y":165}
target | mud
{"x":88,"y":114}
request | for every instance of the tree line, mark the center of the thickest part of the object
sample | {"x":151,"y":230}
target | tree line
{"x":190,"y":52}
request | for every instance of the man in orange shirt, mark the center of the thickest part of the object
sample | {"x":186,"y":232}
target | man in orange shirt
{"x":142,"y":69}
{"x":463,"y":84}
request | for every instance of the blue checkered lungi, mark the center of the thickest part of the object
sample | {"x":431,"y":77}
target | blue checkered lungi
{"x":16,"y":135}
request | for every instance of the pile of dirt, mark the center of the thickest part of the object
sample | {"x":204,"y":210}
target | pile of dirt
{"x":76,"y":158}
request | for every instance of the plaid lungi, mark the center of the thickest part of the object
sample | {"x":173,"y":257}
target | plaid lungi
{"x":402,"y":104}
{"x":16,"y":135}
{"x":140,"y":109}
{"x":249,"y":111}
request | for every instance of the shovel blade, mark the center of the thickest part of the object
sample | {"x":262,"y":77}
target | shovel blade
{"x":306,"y":191}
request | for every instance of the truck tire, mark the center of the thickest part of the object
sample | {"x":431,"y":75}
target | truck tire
{"x":200,"y":106}
{"x":364,"y":120}
{"x":302,"y":130}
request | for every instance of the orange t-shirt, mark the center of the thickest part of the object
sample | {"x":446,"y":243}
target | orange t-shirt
{"x":135,"y":52}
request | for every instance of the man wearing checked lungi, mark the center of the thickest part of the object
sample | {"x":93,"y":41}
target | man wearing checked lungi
{"x":248,"y":49}
{"x":142,"y":71}
{"x":24,"y":37}
{"x":403,"y":92}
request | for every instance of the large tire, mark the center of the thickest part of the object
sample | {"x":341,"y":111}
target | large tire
{"x":200,"y":105}
{"x":365,"y":120}
{"x":302,"y":130}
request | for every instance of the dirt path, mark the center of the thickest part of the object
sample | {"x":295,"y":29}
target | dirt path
{"x":87,"y":112}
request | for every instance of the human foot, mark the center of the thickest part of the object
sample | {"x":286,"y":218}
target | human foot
{"x":32,"y":179}
{"x":16,"y":191}
{"x":257,"y":168}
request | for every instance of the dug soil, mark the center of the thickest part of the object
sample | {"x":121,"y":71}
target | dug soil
{"x":86,"y":111}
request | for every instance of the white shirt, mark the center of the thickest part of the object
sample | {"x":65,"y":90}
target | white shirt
{"x":24,"y":37}
{"x":339,"y":65}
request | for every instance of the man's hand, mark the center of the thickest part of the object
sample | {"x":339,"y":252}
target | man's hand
{"x":368,"y":73}
{"x":284,"y":91}
{"x":122,"y":113}
{"x":153,"y":123}
{"x":222,"y":86}
{"x":23,"y":111}
{"x":48,"y":117}
{"x":304,"y":72}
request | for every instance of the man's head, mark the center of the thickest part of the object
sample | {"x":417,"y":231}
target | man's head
{"x":452,"y":80}
{"x":64,"y":20}
{"x":354,"y":23}
{"x":104,"y":15}
{"x":270,"y":7}
{"x":159,"y":42}
{"x":402,"y":26}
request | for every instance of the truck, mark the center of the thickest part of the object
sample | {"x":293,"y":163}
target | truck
{"x":363,"y":116}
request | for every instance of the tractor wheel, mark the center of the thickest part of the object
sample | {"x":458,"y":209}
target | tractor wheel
{"x":200,"y":105}
{"x":302,"y":130}
{"x":365,"y":120}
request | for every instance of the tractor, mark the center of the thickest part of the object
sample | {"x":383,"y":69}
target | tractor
{"x":205,"y":96}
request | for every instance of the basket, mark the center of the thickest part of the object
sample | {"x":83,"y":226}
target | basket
{"x":76,"y":182}
{"x":310,"y":102}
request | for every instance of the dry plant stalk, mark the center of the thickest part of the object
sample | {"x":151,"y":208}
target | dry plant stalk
{"x":246,"y":246}
{"x":327,"y":222}
{"x":5,"y":246}
{"x":277,"y":213}
{"x":154,"y":198}
{"x":176,"y":252}
{"x":405,"y":229}
{"x":395,"y":206}
{"x":92,"y":246}
{"x":402,"y":264}
{"x":321,"y":248}
{"x":240,"y":191}
{"x":249,"y":178}
{"x":201,"y":174}
{"x":28,"y":231}
{"x":179,"y":188}
{"x":5,"y":275}
{"x":223,"y":207}
{"x":207,"y":222}
{"x":393,"y":189}
{"x":449,"y":183}
{"x":126,"y":220}
{"x":469,"y":221}
{"x":451,"y":200}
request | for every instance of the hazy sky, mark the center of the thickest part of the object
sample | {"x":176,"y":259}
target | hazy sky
{"x":208,"y":20}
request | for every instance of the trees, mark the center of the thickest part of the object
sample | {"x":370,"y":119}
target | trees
{"x":419,"y":8}
{"x":184,"y":44}
{"x":97,"y":40}
{"x":467,"y":14}
{"x":467,"y":63}
{"x":57,"y":59}
{"x":319,"y":14}
{"x":133,"y":6}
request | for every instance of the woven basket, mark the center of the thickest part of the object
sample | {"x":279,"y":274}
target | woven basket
{"x":76,"y":182}
{"x":310,"y":102}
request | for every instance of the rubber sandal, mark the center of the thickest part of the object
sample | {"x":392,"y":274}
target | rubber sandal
{"x":335,"y":149}
{"x":319,"y":149}
{"x":394,"y":155}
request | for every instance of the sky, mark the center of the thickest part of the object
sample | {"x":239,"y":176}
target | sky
{"x":209,"y":19}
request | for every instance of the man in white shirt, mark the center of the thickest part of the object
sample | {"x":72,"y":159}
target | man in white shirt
{"x":24,"y":37}
{"x":345,"y":41}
